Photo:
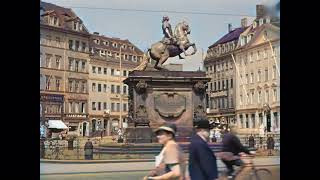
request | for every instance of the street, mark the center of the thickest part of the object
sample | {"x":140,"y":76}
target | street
{"x":132,"y":170}
{"x":128,"y":175}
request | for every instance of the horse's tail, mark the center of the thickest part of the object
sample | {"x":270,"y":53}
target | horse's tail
{"x":144,"y":62}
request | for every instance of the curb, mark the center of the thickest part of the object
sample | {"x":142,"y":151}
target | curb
{"x":220,"y":169}
{"x":114,"y":161}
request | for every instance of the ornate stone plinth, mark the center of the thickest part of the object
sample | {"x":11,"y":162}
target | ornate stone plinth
{"x":160,"y":97}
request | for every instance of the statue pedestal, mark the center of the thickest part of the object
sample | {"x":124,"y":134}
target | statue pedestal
{"x":163,"y":97}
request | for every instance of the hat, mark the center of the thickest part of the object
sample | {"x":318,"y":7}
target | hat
{"x":203,"y":124}
{"x":168,"y":128}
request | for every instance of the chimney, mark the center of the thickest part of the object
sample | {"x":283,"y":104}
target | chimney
{"x":96,"y":33}
{"x":229,"y":27}
{"x":244,"y":22}
{"x":260,"y":10}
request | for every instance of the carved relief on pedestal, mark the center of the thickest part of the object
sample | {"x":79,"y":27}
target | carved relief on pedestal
{"x":170,"y":104}
{"x":141,"y":87}
{"x":199,"y":87}
{"x":141,"y":116}
{"x":199,"y":112}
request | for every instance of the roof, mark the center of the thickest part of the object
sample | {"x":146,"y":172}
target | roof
{"x":64,"y":14}
{"x":233,"y":35}
{"x":110,"y":47}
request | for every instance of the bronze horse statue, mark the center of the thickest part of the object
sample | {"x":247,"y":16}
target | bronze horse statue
{"x":160,"y":52}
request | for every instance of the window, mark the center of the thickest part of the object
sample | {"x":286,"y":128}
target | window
{"x":104,"y":70}
{"x":215,"y":86}
{"x":112,"y":107}
{"x":99,"y":106}
{"x":83,"y":87}
{"x":48,"y":60}
{"x":93,"y":87}
{"x":214,"y":68}
{"x":58,"y":58}
{"x":259,"y":97}
{"x":251,"y":57}
{"x":258,"y":55}
{"x":104,"y":105}
{"x":99,"y":87}
{"x":247,"y":78}
{"x":275,"y":96}
{"x":223,"y":85}
{"x":259,"y":76}
{"x":231,"y":83}
{"x":227,"y":66}
{"x":267,"y":96}
{"x":77,"y":45}
{"x":83,"y":66}
{"x":125,"y":107}
{"x":106,"y":43}
{"x":71,"y":45}
{"x":99,"y":70}
{"x":118,"y":107}
{"x":252,"y":97}
{"x":114,"y":45}
{"x":247,"y":100}
{"x":274,"y":72}
{"x":247,"y":121}
{"x":118,"y":89}
{"x":70,"y":86}
{"x":77,"y":66}
{"x":124,"y":89}
{"x":218,"y":85}
{"x":276,"y":119}
{"x":252,"y":78}
{"x":112,"y":88}
{"x":94,"y":106}
{"x":104,"y":88}
{"x":112,"y":72}
{"x":57,"y":84}
{"x":83,"y":105}
{"x":124,"y":73}
{"x":58,"y":41}
{"x":266,"y":75}
{"x":231,"y":102}
{"x":210,"y":86}
{"x":265,"y":54}
{"x":93,"y":69}
{"x":76,"y":86}
{"x":84,"y":46}
{"x":274,"y":51}
{"x":48,"y":39}
{"x":253,"y":121}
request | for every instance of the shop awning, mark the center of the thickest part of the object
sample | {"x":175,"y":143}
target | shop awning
{"x":57,"y":124}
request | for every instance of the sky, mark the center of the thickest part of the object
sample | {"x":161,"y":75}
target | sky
{"x":144,"y":28}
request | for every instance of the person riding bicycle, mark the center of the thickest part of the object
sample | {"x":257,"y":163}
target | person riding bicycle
{"x":231,"y":150}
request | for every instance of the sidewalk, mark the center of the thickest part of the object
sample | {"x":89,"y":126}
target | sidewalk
{"x":125,"y":166}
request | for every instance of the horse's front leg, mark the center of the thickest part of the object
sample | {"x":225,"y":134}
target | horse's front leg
{"x":184,"y":51}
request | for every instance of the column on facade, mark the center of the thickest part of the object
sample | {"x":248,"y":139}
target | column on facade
{"x":244,"y":120}
{"x":238,"y":121}
{"x":250,"y":121}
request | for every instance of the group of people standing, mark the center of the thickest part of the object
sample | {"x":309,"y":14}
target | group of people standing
{"x":202,"y":165}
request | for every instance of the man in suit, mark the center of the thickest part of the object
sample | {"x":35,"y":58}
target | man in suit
{"x":202,"y":161}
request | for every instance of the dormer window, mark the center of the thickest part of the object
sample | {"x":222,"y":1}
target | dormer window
{"x":114,"y":44}
{"x":106,"y":43}
{"x":97,"y":41}
{"x":124,"y":46}
{"x":109,"y":53}
{"x":102,"y":53}
{"x":55,"y":21}
{"x":260,"y":21}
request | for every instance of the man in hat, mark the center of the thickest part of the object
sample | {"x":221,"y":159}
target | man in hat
{"x":202,"y":161}
{"x":231,"y":150}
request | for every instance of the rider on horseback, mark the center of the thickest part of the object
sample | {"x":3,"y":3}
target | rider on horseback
{"x":168,"y":38}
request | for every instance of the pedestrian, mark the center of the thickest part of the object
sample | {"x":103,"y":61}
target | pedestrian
{"x":170,"y":159}
{"x":231,"y":149}
{"x":88,"y":150}
{"x":251,"y":141}
{"x":270,"y":145}
{"x":202,"y":161}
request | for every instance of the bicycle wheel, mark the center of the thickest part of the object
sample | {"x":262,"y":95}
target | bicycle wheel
{"x":261,"y":174}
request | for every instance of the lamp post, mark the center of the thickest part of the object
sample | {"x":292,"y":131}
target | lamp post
{"x":106,"y":115}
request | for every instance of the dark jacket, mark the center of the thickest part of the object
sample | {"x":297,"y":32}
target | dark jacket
{"x":231,"y":143}
{"x":88,"y":148}
{"x":202,"y":161}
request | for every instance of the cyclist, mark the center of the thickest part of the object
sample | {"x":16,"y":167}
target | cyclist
{"x":232,"y":148}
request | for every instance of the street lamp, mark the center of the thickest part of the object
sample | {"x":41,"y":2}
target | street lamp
{"x":106,"y":115}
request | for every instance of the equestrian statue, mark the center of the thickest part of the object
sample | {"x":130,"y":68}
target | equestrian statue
{"x":172,"y":44}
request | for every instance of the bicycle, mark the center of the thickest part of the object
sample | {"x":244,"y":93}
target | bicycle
{"x":253,"y":172}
